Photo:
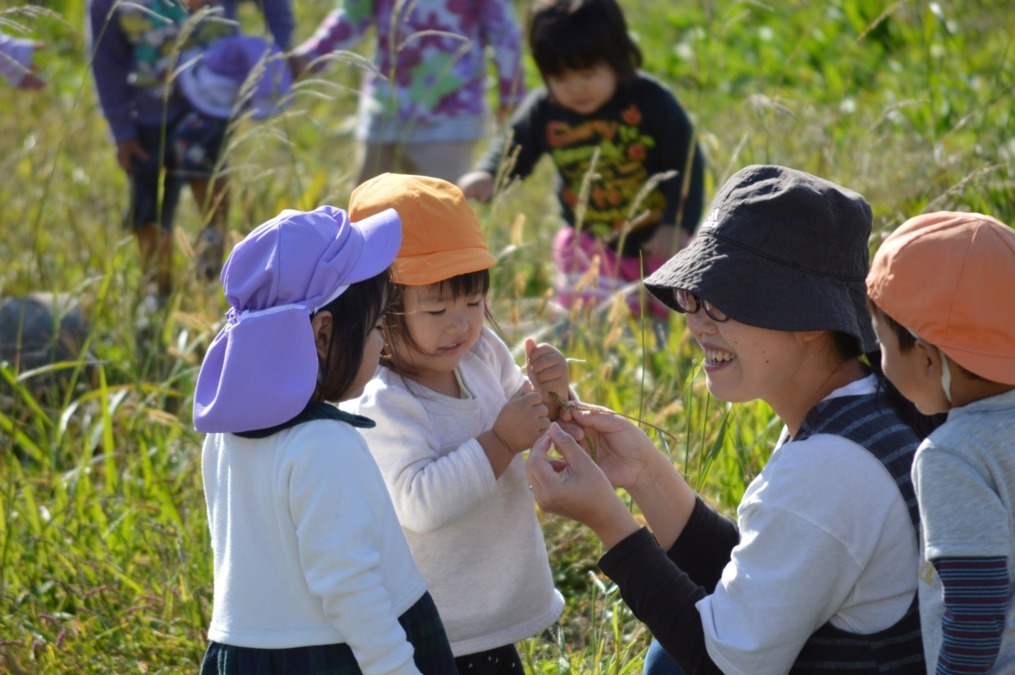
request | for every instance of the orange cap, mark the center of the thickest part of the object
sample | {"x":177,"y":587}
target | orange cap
{"x":948,"y":278}
{"x":441,"y":237}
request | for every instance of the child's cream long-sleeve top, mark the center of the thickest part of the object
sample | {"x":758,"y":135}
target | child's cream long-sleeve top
{"x":475,"y":538}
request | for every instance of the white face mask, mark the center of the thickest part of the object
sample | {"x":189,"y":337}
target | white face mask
{"x":946,"y":377}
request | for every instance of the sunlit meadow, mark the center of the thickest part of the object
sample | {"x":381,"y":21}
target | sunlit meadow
{"x":105,"y":563}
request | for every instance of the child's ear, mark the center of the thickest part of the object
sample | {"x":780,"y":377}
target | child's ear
{"x":930,"y":359}
{"x":322,"y":326}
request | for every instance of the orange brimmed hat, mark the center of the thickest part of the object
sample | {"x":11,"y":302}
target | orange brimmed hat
{"x":945,"y":276}
{"x":441,"y":237}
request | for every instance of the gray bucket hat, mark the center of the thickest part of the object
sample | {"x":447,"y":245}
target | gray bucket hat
{"x":781,"y":249}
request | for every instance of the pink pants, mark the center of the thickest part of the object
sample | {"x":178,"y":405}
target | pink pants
{"x":575,"y":255}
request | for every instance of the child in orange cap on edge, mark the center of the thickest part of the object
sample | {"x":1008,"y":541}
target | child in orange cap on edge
{"x":937,"y":287}
{"x":454,"y":412}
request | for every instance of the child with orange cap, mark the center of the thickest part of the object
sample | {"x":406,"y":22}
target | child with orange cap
{"x":936,"y":288}
{"x":454,"y":413}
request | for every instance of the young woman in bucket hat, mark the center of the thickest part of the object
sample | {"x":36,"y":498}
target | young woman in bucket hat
{"x":818,"y":571}
{"x":312,"y":572}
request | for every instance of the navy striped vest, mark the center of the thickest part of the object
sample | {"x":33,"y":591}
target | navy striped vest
{"x":870,"y":422}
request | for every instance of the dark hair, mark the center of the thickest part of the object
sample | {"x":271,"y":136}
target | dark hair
{"x":848,"y":347}
{"x":580,"y":34}
{"x":353,"y":315}
{"x":907,"y":340}
{"x":902,"y":334}
{"x":397,"y":339}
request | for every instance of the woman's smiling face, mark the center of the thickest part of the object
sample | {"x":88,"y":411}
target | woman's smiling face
{"x":744,"y":363}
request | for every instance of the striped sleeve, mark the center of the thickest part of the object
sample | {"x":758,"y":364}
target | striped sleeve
{"x":975,"y":601}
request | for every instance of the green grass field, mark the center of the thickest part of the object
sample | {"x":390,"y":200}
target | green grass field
{"x":105,"y":564}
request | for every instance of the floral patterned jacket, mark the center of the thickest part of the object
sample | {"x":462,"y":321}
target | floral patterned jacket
{"x":429,"y":58}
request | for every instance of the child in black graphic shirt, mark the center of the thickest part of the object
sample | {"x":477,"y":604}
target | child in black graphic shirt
{"x":600,"y":115}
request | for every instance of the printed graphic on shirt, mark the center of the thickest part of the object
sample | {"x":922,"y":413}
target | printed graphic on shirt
{"x":154,"y":30}
{"x":620,"y":171}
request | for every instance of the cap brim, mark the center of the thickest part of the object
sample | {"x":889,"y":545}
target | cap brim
{"x":258,"y":372}
{"x":757,"y":291}
{"x":382,"y":236}
{"x":423,"y":270}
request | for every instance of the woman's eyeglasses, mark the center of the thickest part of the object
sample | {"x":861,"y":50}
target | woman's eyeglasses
{"x":689,"y":303}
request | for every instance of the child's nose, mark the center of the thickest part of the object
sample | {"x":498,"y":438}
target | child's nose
{"x":574,"y":87}
{"x":460,"y":322}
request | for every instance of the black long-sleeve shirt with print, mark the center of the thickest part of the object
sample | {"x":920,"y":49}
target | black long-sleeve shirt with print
{"x":641,"y":133}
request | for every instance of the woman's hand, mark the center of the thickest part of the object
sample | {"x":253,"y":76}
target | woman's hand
{"x":574,"y":487}
{"x":620,"y":448}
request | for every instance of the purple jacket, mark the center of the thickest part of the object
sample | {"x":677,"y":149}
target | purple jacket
{"x":134,"y":54}
{"x":424,"y":76}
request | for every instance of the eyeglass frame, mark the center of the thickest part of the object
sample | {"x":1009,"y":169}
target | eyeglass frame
{"x":697,"y":303}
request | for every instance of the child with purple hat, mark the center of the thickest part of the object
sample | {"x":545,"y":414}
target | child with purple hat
{"x":237,"y":76}
{"x":312,"y":572}
{"x":135,"y":47}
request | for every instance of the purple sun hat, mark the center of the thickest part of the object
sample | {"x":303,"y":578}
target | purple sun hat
{"x":239,"y":66}
{"x":261,"y":369}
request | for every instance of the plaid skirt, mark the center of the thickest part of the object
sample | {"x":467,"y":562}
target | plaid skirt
{"x":422,"y":625}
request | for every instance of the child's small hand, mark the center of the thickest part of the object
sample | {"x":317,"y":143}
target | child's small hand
{"x":477,"y":185}
{"x":522,"y":420}
{"x":298,"y":65}
{"x":127,"y":150}
{"x":31,"y":81}
{"x":548,"y":373}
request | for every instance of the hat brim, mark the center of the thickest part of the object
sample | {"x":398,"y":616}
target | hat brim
{"x":422,"y":270}
{"x":757,"y":291}
{"x":254,"y":351}
{"x":204,"y":89}
{"x":202,"y":93}
{"x":382,"y":236}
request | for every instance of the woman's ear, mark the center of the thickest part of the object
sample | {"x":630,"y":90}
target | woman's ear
{"x":322,"y":327}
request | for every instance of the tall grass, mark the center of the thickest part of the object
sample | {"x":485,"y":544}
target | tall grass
{"x":104,"y":557}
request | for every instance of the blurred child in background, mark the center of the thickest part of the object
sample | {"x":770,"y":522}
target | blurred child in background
{"x":424,"y":108}
{"x":601,"y":118}
{"x":240,"y":75}
{"x":937,"y":286}
{"x":454,"y":414}
{"x":135,"y":48}
{"x":312,"y":572}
